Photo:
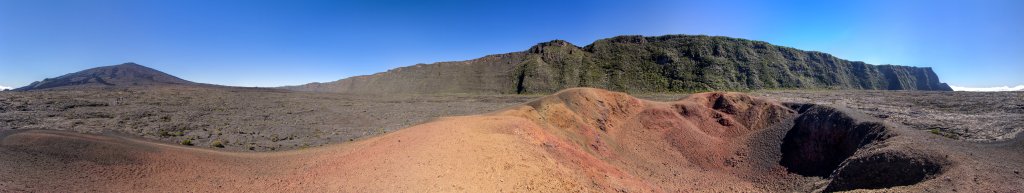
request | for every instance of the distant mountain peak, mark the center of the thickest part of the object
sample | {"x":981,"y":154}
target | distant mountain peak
{"x":125,"y":74}
{"x":551,"y":45}
{"x":129,"y":64}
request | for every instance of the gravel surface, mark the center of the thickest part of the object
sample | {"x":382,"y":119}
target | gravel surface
{"x":969,"y":116}
{"x":250,"y":119}
{"x":241,"y":119}
{"x":577,"y":140}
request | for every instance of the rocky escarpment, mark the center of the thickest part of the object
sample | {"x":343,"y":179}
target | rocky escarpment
{"x":641,"y":64}
{"x":127,"y":74}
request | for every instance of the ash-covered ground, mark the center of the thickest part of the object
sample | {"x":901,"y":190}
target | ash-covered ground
{"x":241,"y":119}
{"x":250,"y":119}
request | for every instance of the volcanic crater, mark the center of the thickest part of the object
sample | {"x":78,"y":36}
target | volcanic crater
{"x":576,"y":140}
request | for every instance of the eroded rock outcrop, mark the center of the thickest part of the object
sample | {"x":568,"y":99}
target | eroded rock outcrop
{"x":886,"y":169}
{"x":824,"y":137}
{"x":854,"y":151}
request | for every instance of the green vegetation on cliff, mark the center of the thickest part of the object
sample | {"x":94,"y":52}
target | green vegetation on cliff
{"x":672,"y":63}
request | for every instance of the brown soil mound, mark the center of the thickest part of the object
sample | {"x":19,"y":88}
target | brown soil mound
{"x":697,"y":143}
{"x":578,"y":140}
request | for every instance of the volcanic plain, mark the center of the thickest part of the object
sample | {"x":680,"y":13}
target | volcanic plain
{"x":208,"y":138}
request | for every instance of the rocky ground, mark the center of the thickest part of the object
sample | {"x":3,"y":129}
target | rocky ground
{"x":969,"y":116}
{"x":248,"y":119}
{"x":577,"y":140}
{"x":240,"y":119}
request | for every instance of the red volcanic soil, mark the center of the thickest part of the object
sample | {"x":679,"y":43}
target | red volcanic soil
{"x":578,"y":140}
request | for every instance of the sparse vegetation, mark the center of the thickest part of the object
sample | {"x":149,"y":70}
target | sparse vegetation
{"x":939,"y":132}
{"x":171,"y":133}
{"x":187,"y":142}
{"x":217,"y":143}
{"x":637,"y":64}
{"x":139,"y":114}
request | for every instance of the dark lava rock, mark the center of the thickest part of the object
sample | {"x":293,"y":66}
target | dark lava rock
{"x":823,"y":137}
{"x":885,"y":169}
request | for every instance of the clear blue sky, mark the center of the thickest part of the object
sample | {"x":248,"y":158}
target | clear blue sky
{"x":287,"y":42}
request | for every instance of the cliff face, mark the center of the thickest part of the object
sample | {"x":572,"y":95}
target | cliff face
{"x":641,"y":64}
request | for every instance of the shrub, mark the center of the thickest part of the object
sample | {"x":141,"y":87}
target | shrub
{"x":187,"y":142}
{"x":939,"y":132}
{"x":171,"y":133}
{"x":217,"y":144}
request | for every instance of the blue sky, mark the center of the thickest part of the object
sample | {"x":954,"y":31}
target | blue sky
{"x":273,"y":43}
